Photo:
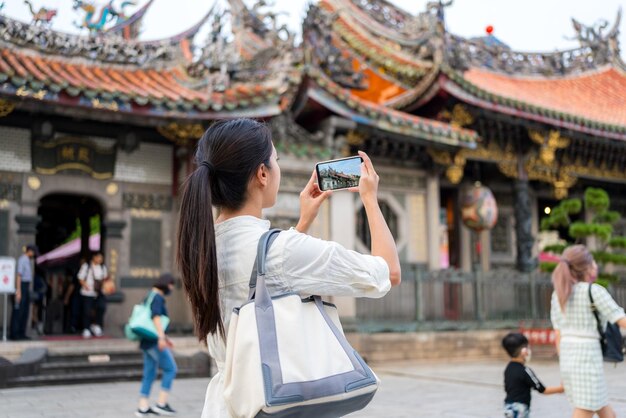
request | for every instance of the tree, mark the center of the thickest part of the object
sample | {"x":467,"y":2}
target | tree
{"x":608,"y":250}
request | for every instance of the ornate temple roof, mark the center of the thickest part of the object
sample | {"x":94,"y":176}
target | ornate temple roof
{"x":406,"y":60}
{"x":591,"y":102}
{"x":109,"y":69}
{"x":365,"y":60}
{"x":580,"y":89}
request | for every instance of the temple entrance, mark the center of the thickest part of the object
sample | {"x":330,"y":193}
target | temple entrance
{"x":69,"y":230}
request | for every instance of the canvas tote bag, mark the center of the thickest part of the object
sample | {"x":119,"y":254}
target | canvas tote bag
{"x":140,"y":324}
{"x":287,"y":357}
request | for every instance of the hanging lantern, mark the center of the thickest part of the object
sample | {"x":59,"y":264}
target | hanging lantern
{"x":479,"y":210}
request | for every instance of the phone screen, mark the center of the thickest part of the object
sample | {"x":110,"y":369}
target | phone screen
{"x":339,"y":174}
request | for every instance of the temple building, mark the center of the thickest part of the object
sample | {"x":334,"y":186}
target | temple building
{"x":97,"y":132}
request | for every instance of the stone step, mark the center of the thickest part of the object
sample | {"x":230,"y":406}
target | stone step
{"x":70,"y":367}
{"x":94,"y":356}
{"x":85,"y":377}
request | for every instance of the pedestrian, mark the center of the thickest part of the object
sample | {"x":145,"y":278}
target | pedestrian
{"x":238,"y":172}
{"x":21,"y":299}
{"x":519,"y":379}
{"x":39,"y":293}
{"x":577,"y":338}
{"x":157,"y":354}
{"x":91,"y":275}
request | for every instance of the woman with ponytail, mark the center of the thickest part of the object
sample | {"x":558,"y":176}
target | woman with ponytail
{"x":577,"y":338}
{"x":238,"y":173}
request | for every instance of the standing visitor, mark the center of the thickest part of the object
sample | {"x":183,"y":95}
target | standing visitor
{"x":91,"y":276}
{"x":577,"y":338}
{"x":21,"y":299}
{"x":157,"y":354}
{"x":238,"y":172}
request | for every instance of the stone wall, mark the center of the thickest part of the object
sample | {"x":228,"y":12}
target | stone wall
{"x":15,"y":150}
{"x":449,"y":345}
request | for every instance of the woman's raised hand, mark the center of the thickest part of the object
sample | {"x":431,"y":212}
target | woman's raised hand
{"x":311,"y":198}
{"x":368,"y":184}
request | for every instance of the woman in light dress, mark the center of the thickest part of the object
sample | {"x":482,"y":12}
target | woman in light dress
{"x":238,"y":172}
{"x":577,"y":338}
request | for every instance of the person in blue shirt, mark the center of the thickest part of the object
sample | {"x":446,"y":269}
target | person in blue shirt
{"x":157,"y":354}
{"x":21,"y":299}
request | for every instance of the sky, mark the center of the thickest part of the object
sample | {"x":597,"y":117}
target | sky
{"x":525,"y":25}
{"x":352,"y":166}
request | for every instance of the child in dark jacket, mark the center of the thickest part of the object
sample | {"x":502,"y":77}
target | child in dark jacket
{"x":519,"y":379}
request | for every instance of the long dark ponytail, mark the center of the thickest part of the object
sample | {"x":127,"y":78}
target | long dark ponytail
{"x":228,"y":155}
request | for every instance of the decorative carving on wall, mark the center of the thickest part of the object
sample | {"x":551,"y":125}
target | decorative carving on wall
{"x":459,"y":117}
{"x":28,"y":92}
{"x":105,"y":104}
{"x":6,"y":107}
{"x":11,"y":192}
{"x":182,"y":134}
{"x":149,"y":201}
{"x":454,"y":163}
{"x":549,"y":142}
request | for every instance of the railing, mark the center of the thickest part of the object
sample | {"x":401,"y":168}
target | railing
{"x":451,"y":299}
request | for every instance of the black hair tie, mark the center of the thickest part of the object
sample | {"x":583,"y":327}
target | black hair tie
{"x":209,"y":166}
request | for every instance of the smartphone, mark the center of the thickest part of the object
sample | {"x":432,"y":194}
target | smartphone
{"x":342,"y":173}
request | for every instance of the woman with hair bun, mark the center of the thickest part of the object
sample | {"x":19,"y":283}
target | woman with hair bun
{"x":577,"y":338}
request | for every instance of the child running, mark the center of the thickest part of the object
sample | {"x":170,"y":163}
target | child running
{"x":519,"y":379}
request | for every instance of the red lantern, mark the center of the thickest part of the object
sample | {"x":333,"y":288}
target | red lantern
{"x":489,"y":30}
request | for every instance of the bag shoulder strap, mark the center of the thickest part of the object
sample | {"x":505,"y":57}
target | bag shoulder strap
{"x":595,"y":313}
{"x":265,"y":243}
{"x":149,"y":299}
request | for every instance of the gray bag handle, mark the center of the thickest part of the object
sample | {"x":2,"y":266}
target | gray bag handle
{"x":264,"y":246}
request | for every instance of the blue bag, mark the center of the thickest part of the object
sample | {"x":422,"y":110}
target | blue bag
{"x":140,"y":325}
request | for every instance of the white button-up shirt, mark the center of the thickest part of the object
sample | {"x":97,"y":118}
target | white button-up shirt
{"x":90,"y":273}
{"x":296,"y":262}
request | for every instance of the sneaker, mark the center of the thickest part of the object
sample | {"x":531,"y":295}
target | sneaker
{"x":96,"y":330}
{"x":164,"y":410}
{"x":147,"y":413}
{"x":86,"y":333}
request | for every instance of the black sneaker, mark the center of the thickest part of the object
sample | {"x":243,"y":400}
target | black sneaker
{"x":164,"y":410}
{"x":147,"y":413}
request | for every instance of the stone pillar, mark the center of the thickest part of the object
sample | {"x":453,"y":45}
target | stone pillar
{"x":523,"y":226}
{"x":432,"y":219}
{"x":343,"y":231}
{"x":27,"y":230}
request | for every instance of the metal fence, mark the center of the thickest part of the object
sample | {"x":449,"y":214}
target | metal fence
{"x":451,"y":299}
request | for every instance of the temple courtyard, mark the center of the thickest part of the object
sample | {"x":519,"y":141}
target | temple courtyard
{"x":415,"y":389}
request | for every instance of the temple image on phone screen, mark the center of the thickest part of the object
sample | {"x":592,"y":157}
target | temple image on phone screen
{"x":340,"y":174}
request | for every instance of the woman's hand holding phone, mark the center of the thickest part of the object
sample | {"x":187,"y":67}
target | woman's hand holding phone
{"x":311,"y":198}
{"x":368,"y":184}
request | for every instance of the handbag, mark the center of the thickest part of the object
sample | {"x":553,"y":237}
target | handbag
{"x":140,"y":325}
{"x":610,"y":339}
{"x":106,"y":286}
{"x":288,"y":357}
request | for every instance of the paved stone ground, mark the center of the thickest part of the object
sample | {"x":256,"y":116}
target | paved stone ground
{"x":447,"y":390}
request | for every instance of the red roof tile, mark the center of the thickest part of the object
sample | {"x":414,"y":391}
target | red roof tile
{"x":168,"y":86}
{"x":598,"y":96}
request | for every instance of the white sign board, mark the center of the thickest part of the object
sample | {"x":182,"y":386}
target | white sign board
{"x":7,"y":275}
